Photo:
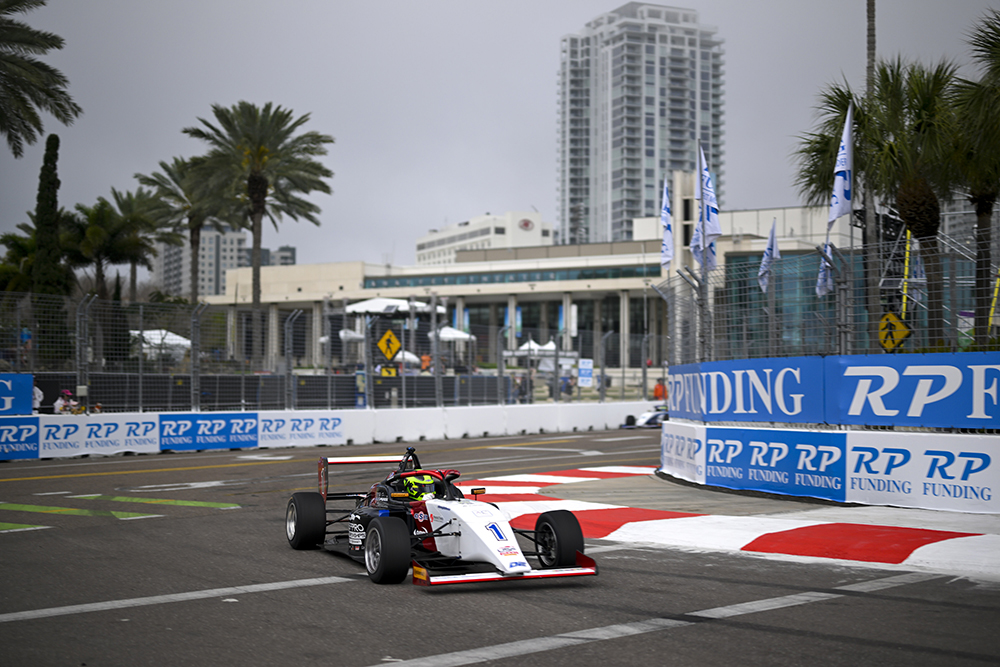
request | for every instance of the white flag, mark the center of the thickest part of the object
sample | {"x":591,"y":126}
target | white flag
{"x":771,"y":253}
{"x":709,"y":219}
{"x":667,"y":249}
{"x":840,"y":201}
{"x":824,"y":281}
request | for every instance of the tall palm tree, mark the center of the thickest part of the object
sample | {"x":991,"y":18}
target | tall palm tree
{"x":27,"y":85}
{"x":978,"y":155}
{"x":135,"y":211}
{"x":184,"y":203}
{"x":903,"y":136}
{"x":258,"y":158}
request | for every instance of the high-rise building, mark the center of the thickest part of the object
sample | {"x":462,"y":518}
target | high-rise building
{"x":639,"y":87}
{"x":220,"y":250}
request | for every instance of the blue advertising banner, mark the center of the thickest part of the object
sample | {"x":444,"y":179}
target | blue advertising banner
{"x":208,"y":430}
{"x":796,"y":463}
{"x":937,"y":390}
{"x":750,"y":390}
{"x":15,"y":393}
{"x":18,"y":438}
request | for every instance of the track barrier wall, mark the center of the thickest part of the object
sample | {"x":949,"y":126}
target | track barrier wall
{"x":940,"y":471}
{"x":56,"y":436}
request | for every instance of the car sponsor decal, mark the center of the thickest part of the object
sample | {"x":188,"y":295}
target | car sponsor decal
{"x":508,"y":550}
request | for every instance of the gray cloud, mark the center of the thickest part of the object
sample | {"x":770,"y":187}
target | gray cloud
{"x":441,"y":110}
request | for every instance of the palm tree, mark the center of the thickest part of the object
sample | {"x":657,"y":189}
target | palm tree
{"x":28,"y":85}
{"x":184,"y":203}
{"x":135,"y":209}
{"x":100,"y":238}
{"x":903,"y":139}
{"x":258,"y":158}
{"x":17,"y":272}
{"x":978,"y":155}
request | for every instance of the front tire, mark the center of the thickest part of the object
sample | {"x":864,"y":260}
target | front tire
{"x":305,"y":520}
{"x":387,"y":550}
{"x":557,"y":539}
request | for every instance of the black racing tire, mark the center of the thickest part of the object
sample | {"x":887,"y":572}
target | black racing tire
{"x":305,"y":520}
{"x":387,"y":550}
{"x":557,"y":539}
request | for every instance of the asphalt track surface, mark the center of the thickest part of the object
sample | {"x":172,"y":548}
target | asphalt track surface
{"x":181,"y":559}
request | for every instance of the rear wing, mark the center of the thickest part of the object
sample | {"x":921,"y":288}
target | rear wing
{"x":326,"y":461}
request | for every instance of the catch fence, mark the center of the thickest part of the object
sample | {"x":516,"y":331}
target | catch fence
{"x":116,"y":356}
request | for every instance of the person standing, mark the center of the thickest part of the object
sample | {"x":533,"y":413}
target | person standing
{"x":37,"y":396}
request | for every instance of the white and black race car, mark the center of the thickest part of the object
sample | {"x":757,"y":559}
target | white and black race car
{"x":417,"y":518}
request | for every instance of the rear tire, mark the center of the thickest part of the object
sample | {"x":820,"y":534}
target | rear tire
{"x":387,"y":550}
{"x":305,"y":520}
{"x":557,"y":539}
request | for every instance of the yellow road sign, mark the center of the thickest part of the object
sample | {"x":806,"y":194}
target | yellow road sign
{"x":388,"y":372}
{"x":892,"y":331}
{"x":389,"y":344}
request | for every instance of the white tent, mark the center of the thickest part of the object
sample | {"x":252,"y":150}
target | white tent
{"x":407,"y":357}
{"x":450,"y":334}
{"x":384,"y":306}
{"x":161,"y":340}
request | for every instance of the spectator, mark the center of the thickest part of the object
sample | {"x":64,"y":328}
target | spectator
{"x":37,"y":397}
{"x":660,"y":391}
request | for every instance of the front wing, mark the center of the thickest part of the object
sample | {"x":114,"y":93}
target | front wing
{"x":422,"y":576}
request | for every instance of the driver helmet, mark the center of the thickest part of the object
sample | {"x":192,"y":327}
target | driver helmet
{"x":419,"y":487}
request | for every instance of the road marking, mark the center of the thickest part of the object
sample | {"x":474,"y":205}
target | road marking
{"x":187,"y":486}
{"x":581,"y":452}
{"x":529,"y":646}
{"x":72,"y":511}
{"x":266,"y":457}
{"x":163,"y":599}
{"x":629,"y":437}
{"x":159,"y":501}
{"x":138,"y":472}
{"x":53,"y":493}
{"x":19,"y":527}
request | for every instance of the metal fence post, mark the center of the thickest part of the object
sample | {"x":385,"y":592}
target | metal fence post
{"x":435,"y":352}
{"x":501,"y":363}
{"x":604,"y":375}
{"x":644,"y":351}
{"x":290,"y":360}
{"x":196,"y":356}
{"x":142,"y":354}
{"x":82,"y":340}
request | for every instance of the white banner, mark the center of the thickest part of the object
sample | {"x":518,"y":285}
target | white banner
{"x":926,"y":470}
{"x":75,"y":435}
{"x":300,"y":428}
{"x":682,"y":451}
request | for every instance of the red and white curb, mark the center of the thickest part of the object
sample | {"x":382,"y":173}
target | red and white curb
{"x":947,"y":551}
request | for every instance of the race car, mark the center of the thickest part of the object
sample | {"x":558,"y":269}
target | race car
{"x":653,"y":418}
{"x":418,"y":519}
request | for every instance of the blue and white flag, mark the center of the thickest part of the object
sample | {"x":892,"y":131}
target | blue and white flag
{"x":824,"y":281}
{"x":840,"y":201}
{"x":771,"y":253}
{"x":667,"y":249}
{"x":709,"y":218}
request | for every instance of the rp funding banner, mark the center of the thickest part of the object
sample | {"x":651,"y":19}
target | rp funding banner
{"x":786,"y":390}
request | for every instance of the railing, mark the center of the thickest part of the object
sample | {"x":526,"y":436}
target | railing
{"x":178,"y":357}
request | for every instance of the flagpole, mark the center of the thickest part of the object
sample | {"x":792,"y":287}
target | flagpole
{"x":703,"y":296}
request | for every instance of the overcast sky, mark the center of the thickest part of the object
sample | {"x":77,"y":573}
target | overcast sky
{"x":441,"y":110}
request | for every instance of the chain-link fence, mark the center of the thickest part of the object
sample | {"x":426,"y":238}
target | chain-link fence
{"x":116,"y":357}
{"x":891,"y":297}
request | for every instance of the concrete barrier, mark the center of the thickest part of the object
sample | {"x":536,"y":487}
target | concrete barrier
{"x":33,"y":437}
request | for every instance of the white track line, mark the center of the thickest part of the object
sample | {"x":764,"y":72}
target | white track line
{"x":529,"y":646}
{"x":163,"y":599}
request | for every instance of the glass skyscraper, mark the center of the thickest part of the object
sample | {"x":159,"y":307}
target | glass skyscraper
{"x":638,"y":87}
